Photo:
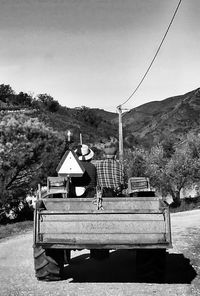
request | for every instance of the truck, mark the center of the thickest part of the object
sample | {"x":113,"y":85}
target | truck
{"x":138,"y":221}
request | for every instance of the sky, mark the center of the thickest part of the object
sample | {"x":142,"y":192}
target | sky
{"x":94,"y":52}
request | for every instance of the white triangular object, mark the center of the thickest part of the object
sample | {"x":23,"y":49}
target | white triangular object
{"x":70,"y":166}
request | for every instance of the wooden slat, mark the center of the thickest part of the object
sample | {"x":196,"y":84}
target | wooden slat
{"x":114,"y":204}
{"x":103,"y":216}
{"x":104,"y":227}
{"x":104,"y":239}
{"x":51,"y":244}
{"x":101,"y":212}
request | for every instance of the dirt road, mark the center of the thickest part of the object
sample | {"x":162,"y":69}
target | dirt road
{"x":114,"y":276}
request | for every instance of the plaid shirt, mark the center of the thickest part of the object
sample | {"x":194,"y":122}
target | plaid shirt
{"x":109,"y":173}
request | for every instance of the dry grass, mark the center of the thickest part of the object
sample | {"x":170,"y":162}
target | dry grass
{"x":187,"y":204}
{"x":15,"y":228}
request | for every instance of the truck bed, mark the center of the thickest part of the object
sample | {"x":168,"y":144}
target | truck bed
{"x":118,"y":223}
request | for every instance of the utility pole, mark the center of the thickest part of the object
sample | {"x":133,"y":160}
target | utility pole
{"x":119,"y":108}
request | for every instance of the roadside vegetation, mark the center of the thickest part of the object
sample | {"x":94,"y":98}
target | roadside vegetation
{"x":170,"y":165}
{"x":16,"y":228}
{"x":187,"y":204}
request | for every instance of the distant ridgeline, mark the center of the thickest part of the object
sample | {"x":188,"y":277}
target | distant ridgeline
{"x":142,"y":126}
{"x":174,"y":116}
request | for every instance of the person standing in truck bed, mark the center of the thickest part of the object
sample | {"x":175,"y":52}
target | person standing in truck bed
{"x":110,"y":172}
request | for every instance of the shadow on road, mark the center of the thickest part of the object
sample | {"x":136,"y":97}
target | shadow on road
{"x":179,"y":270}
{"x":120,"y":267}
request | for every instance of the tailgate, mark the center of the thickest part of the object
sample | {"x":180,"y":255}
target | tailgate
{"x":118,"y":223}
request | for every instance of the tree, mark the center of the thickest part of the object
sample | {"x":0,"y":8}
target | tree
{"x":170,"y":175}
{"x":20,"y":100}
{"x":130,"y":141}
{"x":168,"y":143}
{"x":180,"y":172}
{"x":135,"y":162}
{"x":23,"y":99}
{"x":155,"y":168}
{"x":5,"y":92}
{"x":87,"y":116}
{"x":192,"y":142}
{"x":28,"y":149}
{"x":48,"y":102}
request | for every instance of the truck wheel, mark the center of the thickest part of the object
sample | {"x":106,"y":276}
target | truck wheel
{"x":99,"y":254}
{"x":150,"y":265}
{"x":49,"y":264}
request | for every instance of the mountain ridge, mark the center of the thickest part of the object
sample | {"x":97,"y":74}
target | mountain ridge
{"x":177,"y":115}
{"x":148,"y":122}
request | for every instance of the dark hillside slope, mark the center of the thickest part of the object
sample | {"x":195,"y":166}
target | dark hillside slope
{"x":94,"y":125}
{"x":176,"y":115}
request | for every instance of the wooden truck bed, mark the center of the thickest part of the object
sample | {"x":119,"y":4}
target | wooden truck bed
{"x":119,"y":223}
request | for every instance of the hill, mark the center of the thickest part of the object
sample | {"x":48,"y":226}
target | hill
{"x":144,"y":125}
{"x":173,"y":116}
{"x":93,"y":124}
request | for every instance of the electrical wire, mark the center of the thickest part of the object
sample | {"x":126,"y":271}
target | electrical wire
{"x":161,"y":43}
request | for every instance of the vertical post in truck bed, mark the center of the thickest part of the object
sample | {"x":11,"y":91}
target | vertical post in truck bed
{"x":168,"y":225}
{"x":36,"y":222}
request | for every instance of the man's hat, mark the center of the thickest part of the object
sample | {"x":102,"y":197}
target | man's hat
{"x":84,"y":152}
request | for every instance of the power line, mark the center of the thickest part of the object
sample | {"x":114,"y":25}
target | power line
{"x":161,"y":43}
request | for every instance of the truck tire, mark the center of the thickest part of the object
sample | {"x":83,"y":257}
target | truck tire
{"x":99,"y":254}
{"x":150,"y":265}
{"x":49,"y":264}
